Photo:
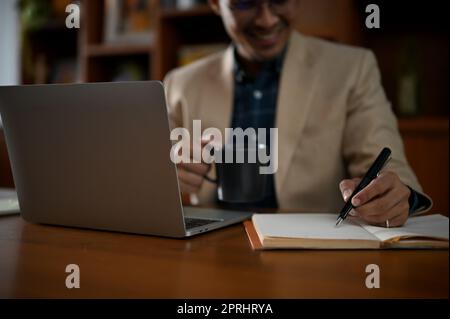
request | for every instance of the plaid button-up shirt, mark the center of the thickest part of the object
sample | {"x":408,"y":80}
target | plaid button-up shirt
{"x":255,"y":104}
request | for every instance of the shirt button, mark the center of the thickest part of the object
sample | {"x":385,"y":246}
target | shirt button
{"x":240,"y":76}
{"x":257,"y":94}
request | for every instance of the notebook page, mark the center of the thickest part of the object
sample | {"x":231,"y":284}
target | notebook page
{"x":435,"y":226}
{"x":311,"y":226}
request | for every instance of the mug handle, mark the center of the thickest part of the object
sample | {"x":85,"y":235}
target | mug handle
{"x":209,"y":179}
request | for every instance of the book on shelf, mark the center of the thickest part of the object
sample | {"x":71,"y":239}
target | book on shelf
{"x":58,"y":70}
{"x":129,"y":22}
{"x":318,"y":231}
{"x":182,"y":4}
{"x":190,"y":53}
{"x":64,"y":70}
{"x":129,"y":71}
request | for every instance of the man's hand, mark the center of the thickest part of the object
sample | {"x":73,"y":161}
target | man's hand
{"x":384,"y":199}
{"x":191,"y":175}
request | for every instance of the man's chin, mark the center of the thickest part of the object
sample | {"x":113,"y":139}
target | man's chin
{"x":267,"y":55}
{"x":264,"y":51}
{"x":261,"y":54}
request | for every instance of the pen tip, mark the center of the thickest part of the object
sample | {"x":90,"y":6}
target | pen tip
{"x":338,"y":222}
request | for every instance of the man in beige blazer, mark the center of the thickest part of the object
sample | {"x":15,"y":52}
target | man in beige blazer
{"x":331,"y":112}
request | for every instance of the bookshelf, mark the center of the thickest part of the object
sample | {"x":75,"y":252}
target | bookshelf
{"x":425,"y":134}
{"x":336,"y":20}
{"x":416,"y":36}
{"x":101,"y":61}
{"x":177,"y":28}
{"x":49,"y":49}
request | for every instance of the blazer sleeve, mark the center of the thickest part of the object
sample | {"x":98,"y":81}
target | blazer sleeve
{"x":174,"y":108}
{"x":372,"y":125}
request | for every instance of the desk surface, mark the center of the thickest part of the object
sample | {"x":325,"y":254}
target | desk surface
{"x":219,"y":264}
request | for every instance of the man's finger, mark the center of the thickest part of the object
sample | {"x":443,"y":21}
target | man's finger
{"x":199,"y":169}
{"x":186,"y":188}
{"x":204,"y":141}
{"x":377,"y":187}
{"x":383,"y":203}
{"x":189,"y":178}
{"x":347,"y":186}
{"x":397,"y":221}
{"x":397,"y":216}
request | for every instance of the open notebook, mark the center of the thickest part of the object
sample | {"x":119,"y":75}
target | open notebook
{"x":318,"y":231}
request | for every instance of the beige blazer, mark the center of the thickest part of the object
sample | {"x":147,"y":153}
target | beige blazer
{"x":333,"y":118}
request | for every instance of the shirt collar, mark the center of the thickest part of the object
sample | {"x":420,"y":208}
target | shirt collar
{"x":275,"y":64}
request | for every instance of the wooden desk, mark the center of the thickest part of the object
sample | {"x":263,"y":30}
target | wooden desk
{"x":219,"y":264}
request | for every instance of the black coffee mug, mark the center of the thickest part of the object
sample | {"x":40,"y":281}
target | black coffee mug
{"x":239,"y":182}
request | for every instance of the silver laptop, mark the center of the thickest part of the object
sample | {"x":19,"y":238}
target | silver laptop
{"x":97,"y":156}
{"x":9,"y":203}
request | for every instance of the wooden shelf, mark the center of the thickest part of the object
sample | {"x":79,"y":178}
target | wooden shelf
{"x":54,"y":25}
{"x":425,"y":140}
{"x":200,"y":10}
{"x":424,"y":125}
{"x":98,"y":50}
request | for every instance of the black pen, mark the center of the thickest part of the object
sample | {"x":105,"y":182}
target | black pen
{"x":371,"y":174}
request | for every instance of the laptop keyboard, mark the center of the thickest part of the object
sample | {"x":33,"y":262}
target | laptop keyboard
{"x":197,"y":222}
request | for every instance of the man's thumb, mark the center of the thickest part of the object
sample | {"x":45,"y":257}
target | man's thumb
{"x":347,"y":186}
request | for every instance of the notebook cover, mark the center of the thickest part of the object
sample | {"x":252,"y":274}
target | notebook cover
{"x":252,"y":235}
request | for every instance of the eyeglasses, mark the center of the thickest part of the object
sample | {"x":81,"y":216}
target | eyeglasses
{"x":248,"y":5}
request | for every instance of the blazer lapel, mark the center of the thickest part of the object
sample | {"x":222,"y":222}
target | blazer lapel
{"x":294,"y":101}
